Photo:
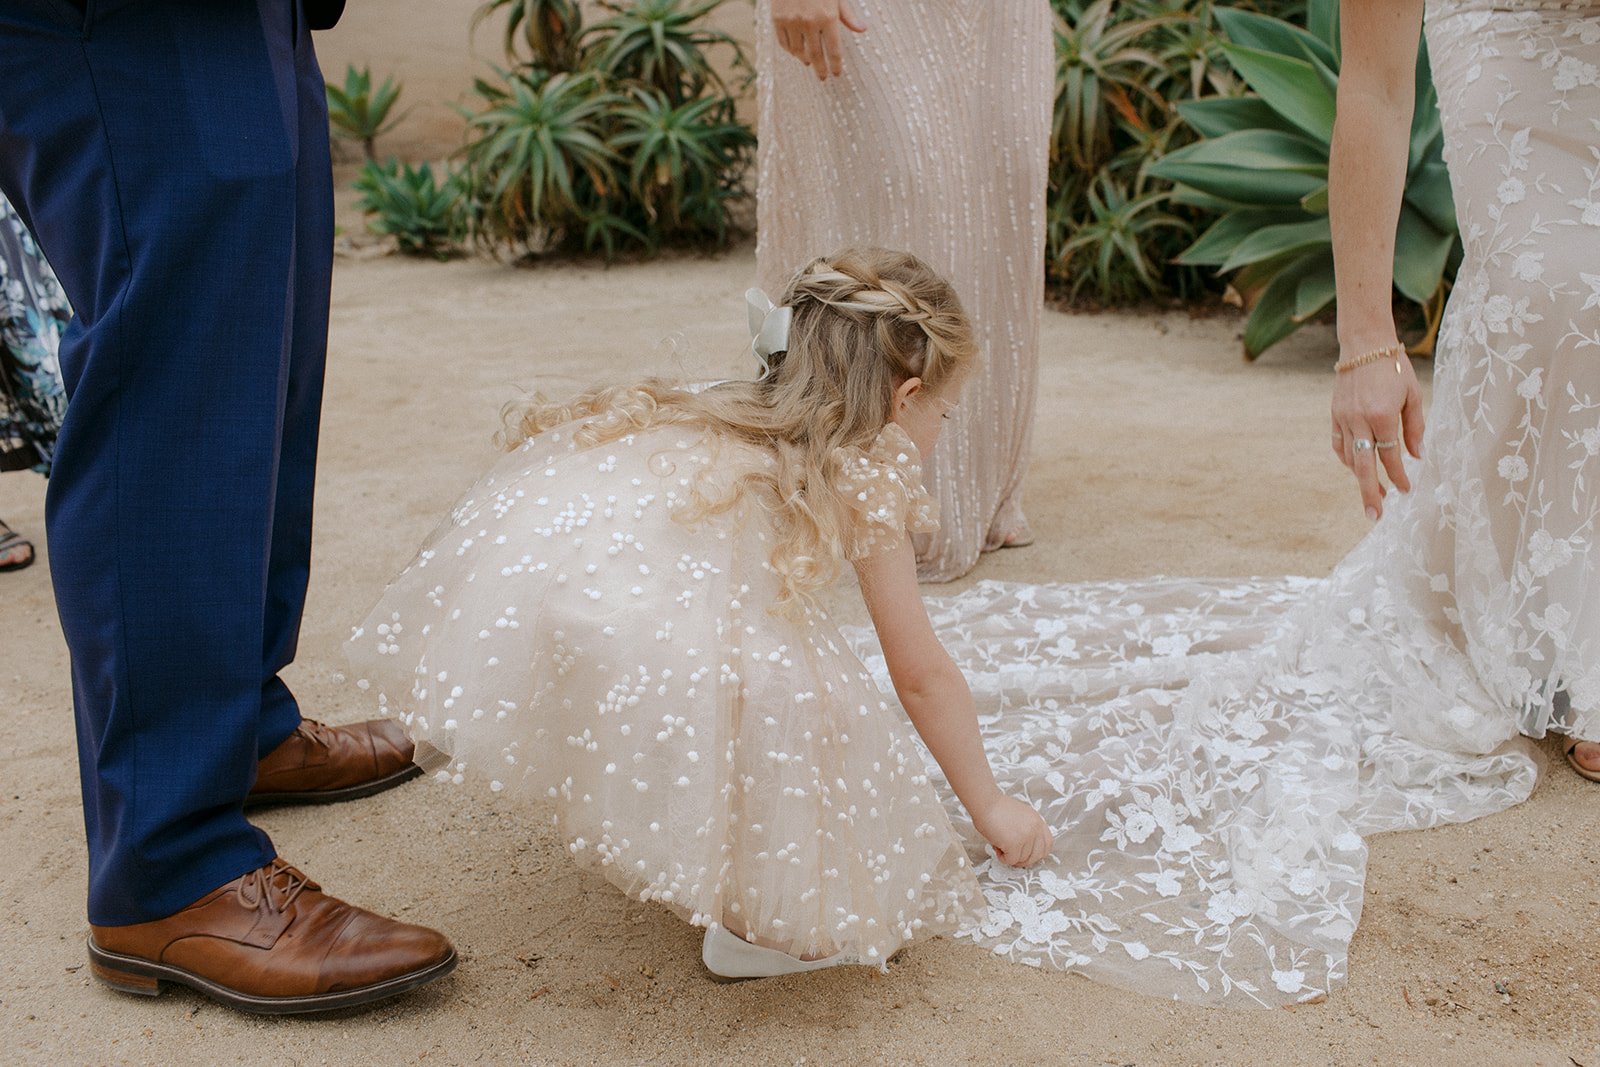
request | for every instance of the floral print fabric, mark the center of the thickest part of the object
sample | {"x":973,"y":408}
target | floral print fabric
{"x":1210,"y":753}
{"x":882,"y":486}
{"x":565,"y":637}
{"x":33,"y":312}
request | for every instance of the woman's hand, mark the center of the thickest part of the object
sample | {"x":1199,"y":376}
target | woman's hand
{"x":1377,"y":405}
{"x":809,"y":31}
{"x":1017,"y":832}
{"x":1376,"y":411}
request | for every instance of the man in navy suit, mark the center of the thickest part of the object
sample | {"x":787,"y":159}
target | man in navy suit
{"x":171,"y":156}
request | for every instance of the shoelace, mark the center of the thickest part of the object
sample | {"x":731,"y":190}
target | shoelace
{"x":256,"y":889}
{"x":315,"y":732}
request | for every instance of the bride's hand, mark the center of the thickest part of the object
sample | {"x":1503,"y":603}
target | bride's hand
{"x":809,"y":31}
{"x":1017,"y":832}
{"x":1377,"y":405}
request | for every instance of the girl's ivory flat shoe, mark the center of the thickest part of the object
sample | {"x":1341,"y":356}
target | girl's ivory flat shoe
{"x":732,"y":958}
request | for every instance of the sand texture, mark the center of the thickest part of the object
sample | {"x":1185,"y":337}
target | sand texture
{"x":1157,"y":451}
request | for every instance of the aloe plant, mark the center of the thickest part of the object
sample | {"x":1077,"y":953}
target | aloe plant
{"x":659,"y":43}
{"x":359,"y":113}
{"x":547,"y":29}
{"x":637,"y":145}
{"x":1114,"y":242}
{"x":539,"y":160}
{"x":1113,"y":233}
{"x":683,"y":159}
{"x":1190,"y":52}
{"x":1101,"y":65}
{"x":422,"y":213}
{"x":1104,"y":239}
{"x":1262,"y":165}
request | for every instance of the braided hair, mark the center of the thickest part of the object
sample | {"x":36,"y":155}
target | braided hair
{"x":865,"y":320}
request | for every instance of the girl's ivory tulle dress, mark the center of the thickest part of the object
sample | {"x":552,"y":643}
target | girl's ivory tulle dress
{"x":562,"y":633}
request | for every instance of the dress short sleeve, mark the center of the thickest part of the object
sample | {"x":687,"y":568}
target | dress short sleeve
{"x":881,"y":486}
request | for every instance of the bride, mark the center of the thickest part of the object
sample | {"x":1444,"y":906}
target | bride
{"x":1210,"y":754}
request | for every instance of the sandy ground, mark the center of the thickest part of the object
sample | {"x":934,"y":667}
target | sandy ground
{"x":1157,"y":451}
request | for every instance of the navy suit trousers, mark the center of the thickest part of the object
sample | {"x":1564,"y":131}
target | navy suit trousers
{"x":171,"y":157}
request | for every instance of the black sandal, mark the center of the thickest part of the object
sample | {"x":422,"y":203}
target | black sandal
{"x":10,"y":540}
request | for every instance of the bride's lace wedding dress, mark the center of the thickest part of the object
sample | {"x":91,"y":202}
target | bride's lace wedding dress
{"x":1211,"y":753}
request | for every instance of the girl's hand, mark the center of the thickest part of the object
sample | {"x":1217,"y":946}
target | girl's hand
{"x":1377,"y":405}
{"x":809,"y":31}
{"x":939,"y":704}
{"x":1017,"y":832}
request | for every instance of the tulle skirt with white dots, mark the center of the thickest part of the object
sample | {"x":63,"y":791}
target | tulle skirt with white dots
{"x":564,"y":637}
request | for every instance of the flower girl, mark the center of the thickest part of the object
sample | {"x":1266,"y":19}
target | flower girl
{"x":622,"y":617}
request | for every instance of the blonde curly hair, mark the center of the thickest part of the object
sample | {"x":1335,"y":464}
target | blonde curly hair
{"x":865,"y":320}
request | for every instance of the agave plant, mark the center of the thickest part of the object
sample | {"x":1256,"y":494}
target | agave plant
{"x":547,"y":29}
{"x":539,"y":162}
{"x":661,"y":44}
{"x":637,"y":145}
{"x":1189,"y":51}
{"x":685,"y":159}
{"x":421,"y":212}
{"x":1262,"y":164}
{"x":1110,"y":249}
{"x":359,"y":113}
{"x":1101,"y":66}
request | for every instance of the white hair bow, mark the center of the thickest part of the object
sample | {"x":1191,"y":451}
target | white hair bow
{"x":769,"y":327}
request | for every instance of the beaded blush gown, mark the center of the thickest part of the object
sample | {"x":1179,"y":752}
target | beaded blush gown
{"x":565,"y":637}
{"x":1210,"y":754}
{"x":935,"y":141}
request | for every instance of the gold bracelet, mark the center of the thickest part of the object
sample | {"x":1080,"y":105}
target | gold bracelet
{"x":1396,"y":351}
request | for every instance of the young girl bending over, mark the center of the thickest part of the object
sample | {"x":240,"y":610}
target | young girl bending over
{"x":622,"y":617}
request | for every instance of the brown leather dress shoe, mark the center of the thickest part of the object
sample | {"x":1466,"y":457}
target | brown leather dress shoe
{"x":272,"y":942}
{"x":320,"y":764}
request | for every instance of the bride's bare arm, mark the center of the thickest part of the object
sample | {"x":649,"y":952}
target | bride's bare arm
{"x":1366,"y":181}
{"x":935,"y":695}
{"x":809,"y":31}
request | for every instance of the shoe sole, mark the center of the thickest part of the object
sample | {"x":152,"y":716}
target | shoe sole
{"x":129,"y":974}
{"x":723,"y":979}
{"x":334,"y":796}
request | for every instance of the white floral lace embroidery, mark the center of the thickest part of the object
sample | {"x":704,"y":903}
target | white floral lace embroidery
{"x":882,"y":485}
{"x":1210,"y":753}
{"x":564,"y":636}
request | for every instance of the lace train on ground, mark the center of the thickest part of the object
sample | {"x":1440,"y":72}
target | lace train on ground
{"x":1208,"y":772}
{"x":1210,"y":753}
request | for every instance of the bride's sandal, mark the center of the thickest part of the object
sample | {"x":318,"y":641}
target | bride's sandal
{"x":1591,"y":773}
